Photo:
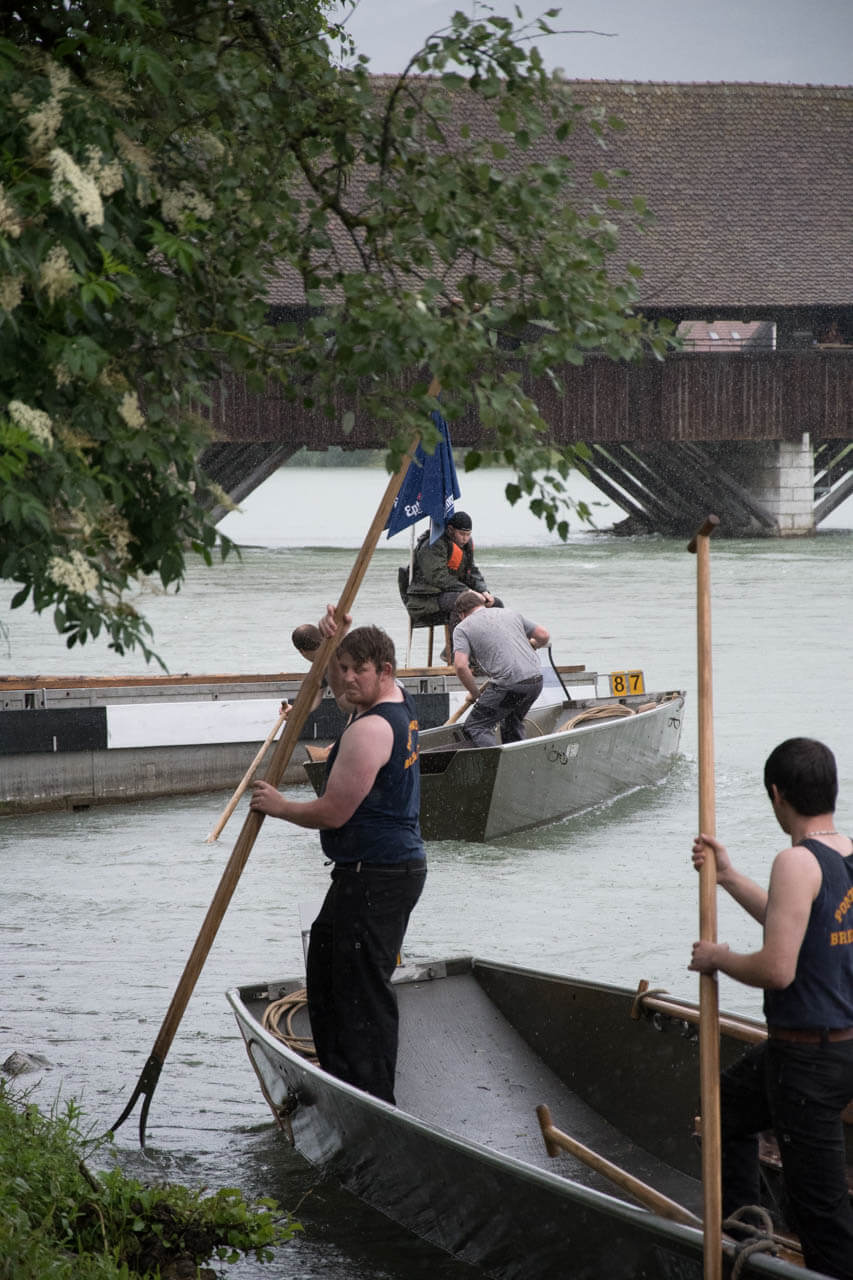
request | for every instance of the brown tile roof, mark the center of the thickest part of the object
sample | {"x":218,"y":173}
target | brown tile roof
{"x":751,"y":186}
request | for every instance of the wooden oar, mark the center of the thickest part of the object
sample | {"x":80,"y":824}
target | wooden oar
{"x":709,"y":1007}
{"x":302,"y":706}
{"x":654,"y":1200}
{"x":247,"y":777}
{"x":460,"y":711}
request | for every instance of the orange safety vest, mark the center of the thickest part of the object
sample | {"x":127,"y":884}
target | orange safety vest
{"x":455,"y":558}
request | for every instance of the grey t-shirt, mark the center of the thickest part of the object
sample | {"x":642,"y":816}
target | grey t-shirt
{"x":499,"y":640}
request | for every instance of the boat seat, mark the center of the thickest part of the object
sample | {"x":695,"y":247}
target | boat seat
{"x":430,"y":620}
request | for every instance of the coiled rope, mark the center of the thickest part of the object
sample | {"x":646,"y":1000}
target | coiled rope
{"x":284,"y":1011}
{"x":762,"y":1237}
{"x":611,"y":711}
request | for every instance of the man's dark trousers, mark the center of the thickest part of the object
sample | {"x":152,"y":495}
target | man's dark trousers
{"x":798,"y":1091}
{"x":352,"y":953}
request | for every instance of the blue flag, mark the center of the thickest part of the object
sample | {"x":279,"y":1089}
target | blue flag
{"x":430,"y":487}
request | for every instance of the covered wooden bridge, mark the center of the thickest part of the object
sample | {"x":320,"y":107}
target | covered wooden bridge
{"x":752,"y":189}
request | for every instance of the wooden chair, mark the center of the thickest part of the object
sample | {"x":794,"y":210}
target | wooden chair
{"x":430,"y":620}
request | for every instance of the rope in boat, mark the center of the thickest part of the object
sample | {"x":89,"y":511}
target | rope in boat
{"x":611,"y":711}
{"x":285,"y":1009}
{"x":762,"y":1241}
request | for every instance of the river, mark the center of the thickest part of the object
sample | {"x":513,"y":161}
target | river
{"x":101,"y":907}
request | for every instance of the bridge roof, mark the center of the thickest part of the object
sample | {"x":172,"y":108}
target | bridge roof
{"x":751,"y":186}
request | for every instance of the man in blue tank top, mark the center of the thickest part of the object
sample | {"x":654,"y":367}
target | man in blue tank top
{"x":798,"y":1081}
{"x":368,"y":818}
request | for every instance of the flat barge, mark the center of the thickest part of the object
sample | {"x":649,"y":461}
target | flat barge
{"x":70,"y":742}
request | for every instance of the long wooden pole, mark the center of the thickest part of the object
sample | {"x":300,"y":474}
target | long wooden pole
{"x":709,"y":1007}
{"x":299,"y":713}
{"x":247,"y":777}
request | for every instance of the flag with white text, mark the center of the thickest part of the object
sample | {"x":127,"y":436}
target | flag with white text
{"x":429,"y":488}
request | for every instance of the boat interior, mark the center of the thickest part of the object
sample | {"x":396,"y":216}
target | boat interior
{"x":556,"y":717}
{"x":467,"y":1065}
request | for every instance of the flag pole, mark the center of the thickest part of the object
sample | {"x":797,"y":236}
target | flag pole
{"x":411,"y":571}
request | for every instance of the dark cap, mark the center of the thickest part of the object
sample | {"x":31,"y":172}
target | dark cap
{"x":459,"y":520}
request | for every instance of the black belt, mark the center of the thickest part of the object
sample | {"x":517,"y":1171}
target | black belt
{"x":414,"y":864}
{"x":810,"y":1035}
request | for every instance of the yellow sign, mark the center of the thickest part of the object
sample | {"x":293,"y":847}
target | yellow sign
{"x":624,"y":682}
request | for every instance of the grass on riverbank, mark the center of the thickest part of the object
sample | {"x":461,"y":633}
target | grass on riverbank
{"x":58,"y":1219}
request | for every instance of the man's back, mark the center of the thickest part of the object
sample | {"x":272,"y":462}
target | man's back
{"x":498,"y":639}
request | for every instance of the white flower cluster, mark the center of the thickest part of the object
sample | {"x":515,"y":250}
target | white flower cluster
{"x":116,"y":530}
{"x":70,"y":182}
{"x":174,"y":204}
{"x":59,"y":77}
{"x":45,"y":120}
{"x":56,"y":273}
{"x":210,"y":146}
{"x":10,"y":223}
{"x":75,"y":573}
{"x":108,"y":175}
{"x":11,"y":292}
{"x":44,"y":124}
{"x":129,"y":410}
{"x":36,"y":421}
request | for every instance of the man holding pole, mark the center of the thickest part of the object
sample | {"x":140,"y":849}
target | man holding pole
{"x":800,"y":1079}
{"x":368,"y":818}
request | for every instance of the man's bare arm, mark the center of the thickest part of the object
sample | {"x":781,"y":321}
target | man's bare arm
{"x":794,"y":884}
{"x":465,"y":674}
{"x":365,"y":747}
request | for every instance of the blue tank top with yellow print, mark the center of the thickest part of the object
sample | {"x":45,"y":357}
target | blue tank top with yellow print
{"x":386,"y":825}
{"x":821,"y":994}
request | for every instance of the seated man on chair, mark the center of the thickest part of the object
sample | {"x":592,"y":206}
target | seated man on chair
{"x":444,"y":570}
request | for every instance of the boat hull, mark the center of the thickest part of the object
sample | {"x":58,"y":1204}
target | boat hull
{"x":486,"y":793}
{"x":461,"y":1162}
{"x":491,"y":792}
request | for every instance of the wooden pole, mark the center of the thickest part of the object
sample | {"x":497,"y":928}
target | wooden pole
{"x":648,"y":1196}
{"x":247,"y":777}
{"x":709,"y":1010}
{"x":299,"y":713}
{"x":737,"y":1028}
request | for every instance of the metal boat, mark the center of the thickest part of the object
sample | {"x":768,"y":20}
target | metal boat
{"x":579,"y":751}
{"x":462,"y":1160}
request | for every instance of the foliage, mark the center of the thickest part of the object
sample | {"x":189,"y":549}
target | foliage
{"x":57,"y":1219}
{"x":163,"y":158}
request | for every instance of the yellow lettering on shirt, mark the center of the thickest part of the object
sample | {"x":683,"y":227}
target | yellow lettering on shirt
{"x":413,"y":753}
{"x":844,"y":906}
{"x":841,"y":939}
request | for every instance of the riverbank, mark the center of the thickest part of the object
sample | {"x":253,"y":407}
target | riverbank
{"x":59,"y":1218}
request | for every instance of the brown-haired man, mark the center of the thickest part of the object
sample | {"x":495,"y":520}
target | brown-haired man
{"x":368,"y":818}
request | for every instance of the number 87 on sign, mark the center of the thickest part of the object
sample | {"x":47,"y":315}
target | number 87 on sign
{"x":623,"y":683}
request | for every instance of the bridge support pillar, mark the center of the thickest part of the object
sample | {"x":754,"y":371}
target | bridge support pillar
{"x":780,"y":476}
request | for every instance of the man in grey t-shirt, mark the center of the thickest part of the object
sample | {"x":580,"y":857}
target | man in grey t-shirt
{"x":502,"y":642}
